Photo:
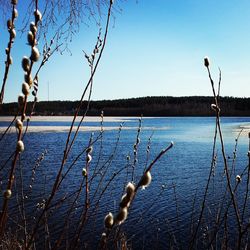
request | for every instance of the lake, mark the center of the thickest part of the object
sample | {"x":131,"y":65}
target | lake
{"x":159,"y":214}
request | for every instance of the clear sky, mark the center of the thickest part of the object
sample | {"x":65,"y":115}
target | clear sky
{"x":156,"y":48}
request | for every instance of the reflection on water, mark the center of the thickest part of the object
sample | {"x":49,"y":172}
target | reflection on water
{"x":179,"y":177}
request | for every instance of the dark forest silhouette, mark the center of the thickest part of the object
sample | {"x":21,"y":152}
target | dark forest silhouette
{"x":148,"y":106}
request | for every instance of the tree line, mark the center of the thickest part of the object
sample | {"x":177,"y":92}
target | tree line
{"x":148,"y":106}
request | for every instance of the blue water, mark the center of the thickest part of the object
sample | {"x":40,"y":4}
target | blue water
{"x":160,"y":212}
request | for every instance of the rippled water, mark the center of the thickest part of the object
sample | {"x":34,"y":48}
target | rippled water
{"x":160,"y":211}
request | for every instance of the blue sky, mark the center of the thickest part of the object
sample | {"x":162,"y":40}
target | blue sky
{"x":156,"y":48}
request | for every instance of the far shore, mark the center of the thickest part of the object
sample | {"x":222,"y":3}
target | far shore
{"x":48,"y":129}
{"x":94,"y":119}
{"x":70,"y":118}
{"x":86,"y":119}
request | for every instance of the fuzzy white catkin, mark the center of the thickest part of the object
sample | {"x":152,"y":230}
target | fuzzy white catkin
{"x":145,"y":180}
{"x":104,"y":238}
{"x":9,"y":24}
{"x":25,"y":63}
{"x":14,"y":2}
{"x":25,"y":88}
{"x":89,"y":158}
{"x":121,"y":216}
{"x":238,"y":178}
{"x":38,"y":15}
{"x":213,"y":106}
{"x":19,"y":124}
{"x":30,"y":38}
{"x":20,"y":100}
{"x":15,"y":12}
{"x":12,"y":33}
{"x":28,"y":79}
{"x":33,"y":28}
{"x":7,"y":194}
{"x":35,"y":54}
{"x":84,"y":172}
{"x":109,"y":220}
{"x":10,"y":60}
{"x":20,"y":146}
{"x":89,"y":150}
{"x":130,"y":189}
{"x":125,"y":201}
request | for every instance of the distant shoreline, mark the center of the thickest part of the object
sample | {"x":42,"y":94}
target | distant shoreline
{"x":65,"y":128}
{"x":168,"y":106}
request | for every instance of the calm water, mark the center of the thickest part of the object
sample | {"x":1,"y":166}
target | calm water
{"x":158,"y":211}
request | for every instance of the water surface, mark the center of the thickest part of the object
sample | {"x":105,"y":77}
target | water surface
{"x":178,"y":178}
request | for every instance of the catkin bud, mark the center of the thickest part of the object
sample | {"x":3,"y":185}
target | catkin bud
{"x":20,"y":146}
{"x":215,"y":107}
{"x":9,"y":24}
{"x":7,"y":51}
{"x":23,"y":117}
{"x":7,"y":194}
{"x":38,"y":15}
{"x":20,"y":100}
{"x":15,"y":13}
{"x":88,"y":158}
{"x":84,"y":172}
{"x":130,"y":189}
{"x":206,"y":62}
{"x":25,"y":63}
{"x":33,"y":28}
{"x":28,"y":79}
{"x":109,"y":220}
{"x":34,"y":54}
{"x":25,"y":88}
{"x":12,"y":33}
{"x":125,"y":201}
{"x":89,"y":150}
{"x":238,"y":178}
{"x":103,"y":239}
{"x":14,"y":2}
{"x":121,"y":216}
{"x":10,"y":60}
{"x":145,"y":180}
{"x":19,"y":124}
{"x":30,"y":38}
